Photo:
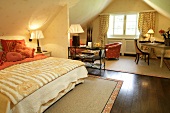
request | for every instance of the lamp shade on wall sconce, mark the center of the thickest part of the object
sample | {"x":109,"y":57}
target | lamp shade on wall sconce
{"x":75,"y":29}
{"x":37,"y":34}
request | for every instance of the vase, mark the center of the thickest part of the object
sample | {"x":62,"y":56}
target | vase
{"x":167,"y":42}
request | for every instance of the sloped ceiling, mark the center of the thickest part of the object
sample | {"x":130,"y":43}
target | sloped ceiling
{"x":86,"y":10}
{"x":18,"y":16}
{"x":162,"y":6}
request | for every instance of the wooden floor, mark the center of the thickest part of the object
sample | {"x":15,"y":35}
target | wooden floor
{"x":139,"y":93}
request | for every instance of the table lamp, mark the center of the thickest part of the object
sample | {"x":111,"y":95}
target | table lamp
{"x":151,"y":32}
{"x":37,"y":34}
{"x":75,"y":29}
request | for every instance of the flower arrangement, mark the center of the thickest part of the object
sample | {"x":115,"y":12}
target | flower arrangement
{"x":165,"y":34}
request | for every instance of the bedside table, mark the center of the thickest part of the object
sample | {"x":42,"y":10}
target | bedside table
{"x":48,"y":53}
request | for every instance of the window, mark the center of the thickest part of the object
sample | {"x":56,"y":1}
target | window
{"x":123,"y":25}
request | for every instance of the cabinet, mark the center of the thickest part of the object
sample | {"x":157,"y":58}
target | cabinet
{"x":92,"y":57}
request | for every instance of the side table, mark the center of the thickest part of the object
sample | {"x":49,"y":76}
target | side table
{"x":47,"y":53}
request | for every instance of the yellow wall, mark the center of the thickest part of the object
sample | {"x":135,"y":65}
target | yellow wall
{"x":56,"y":36}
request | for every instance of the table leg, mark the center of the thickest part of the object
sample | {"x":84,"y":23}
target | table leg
{"x":162,"y":56}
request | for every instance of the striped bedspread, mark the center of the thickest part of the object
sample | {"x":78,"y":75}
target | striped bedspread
{"x":19,"y":81}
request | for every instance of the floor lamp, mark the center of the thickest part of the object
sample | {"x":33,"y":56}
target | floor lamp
{"x":37,"y":34}
{"x":75,"y":29}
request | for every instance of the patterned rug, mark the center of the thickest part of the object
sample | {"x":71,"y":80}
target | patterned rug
{"x":167,"y":63}
{"x":95,"y":95}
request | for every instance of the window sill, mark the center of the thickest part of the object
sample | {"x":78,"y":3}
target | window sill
{"x":126,"y":38}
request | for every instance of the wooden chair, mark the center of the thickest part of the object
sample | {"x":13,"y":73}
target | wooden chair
{"x":140,"y":52}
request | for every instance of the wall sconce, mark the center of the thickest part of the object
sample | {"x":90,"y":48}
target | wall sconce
{"x":75,"y":29}
{"x":37,"y":34}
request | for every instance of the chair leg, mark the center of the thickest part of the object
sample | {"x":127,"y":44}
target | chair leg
{"x":137,"y":58}
{"x":148,"y":59}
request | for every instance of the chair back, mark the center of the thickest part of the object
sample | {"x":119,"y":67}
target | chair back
{"x":136,"y":47}
{"x":113,"y":50}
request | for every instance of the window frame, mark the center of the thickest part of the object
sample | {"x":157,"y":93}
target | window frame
{"x":124,"y":26}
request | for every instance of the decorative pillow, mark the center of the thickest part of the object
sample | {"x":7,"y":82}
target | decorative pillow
{"x":1,"y":62}
{"x":1,"y":52}
{"x":25,"y":51}
{"x":3,"y":56}
{"x":21,"y":42}
{"x":9,"y":45}
{"x":0,"y":45}
{"x":13,"y":57}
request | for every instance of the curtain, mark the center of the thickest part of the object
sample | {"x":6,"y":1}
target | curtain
{"x":103,"y":28}
{"x":146,"y":21}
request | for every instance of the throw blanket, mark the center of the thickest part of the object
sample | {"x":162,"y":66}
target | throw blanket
{"x":19,"y":81}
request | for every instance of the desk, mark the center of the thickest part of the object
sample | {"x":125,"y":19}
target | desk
{"x":158,"y":45}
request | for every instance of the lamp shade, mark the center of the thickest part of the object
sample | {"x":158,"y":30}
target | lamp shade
{"x":150,"y":31}
{"x":37,"y":34}
{"x":75,"y":28}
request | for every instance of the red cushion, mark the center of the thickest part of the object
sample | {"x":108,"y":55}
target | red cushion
{"x":25,"y":51}
{"x":3,"y":56}
{"x":9,"y":45}
{"x":1,"y":52}
{"x":13,"y":57}
{"x":1,"y":61}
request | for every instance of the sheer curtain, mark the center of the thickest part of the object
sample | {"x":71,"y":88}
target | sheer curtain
{"x":146,"y":21}
{"x":103,"y":28}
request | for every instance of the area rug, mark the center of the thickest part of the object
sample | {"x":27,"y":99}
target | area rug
{"x":127,"y":64}
{"x":95,"y":95}
{"x":167,"y":63}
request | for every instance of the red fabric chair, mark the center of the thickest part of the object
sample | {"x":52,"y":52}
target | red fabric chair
{"x":113,"y":50}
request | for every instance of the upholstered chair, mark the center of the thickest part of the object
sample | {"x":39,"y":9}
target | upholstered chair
{"x":113,"y":50}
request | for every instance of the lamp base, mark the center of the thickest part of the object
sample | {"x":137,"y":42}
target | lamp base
{"x":38,"y":50}
{"x":76,"y":41}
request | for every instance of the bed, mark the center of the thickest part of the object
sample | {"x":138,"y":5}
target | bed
{"x":32,"y":84}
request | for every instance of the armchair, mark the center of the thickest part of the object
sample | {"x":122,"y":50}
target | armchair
{"x":113,"y":50}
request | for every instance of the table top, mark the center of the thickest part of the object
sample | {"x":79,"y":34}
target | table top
{"x":158,"y":45}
